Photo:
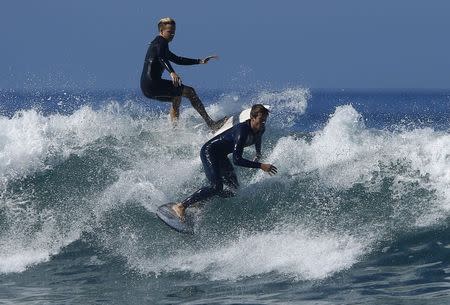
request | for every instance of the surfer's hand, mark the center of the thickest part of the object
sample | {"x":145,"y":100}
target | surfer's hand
{"x":175,"y":79}
{"x":269,"y":168}
{"x":205,"y":60}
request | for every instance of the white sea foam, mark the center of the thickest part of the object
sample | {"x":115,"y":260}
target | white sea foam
{"x":286,"y":105}
{"x":294,"y":100}
{"x":345,"y":152}
{"x":342,"y":152}
{"x":161,"y":159}
{"x":21,"y":246}
{"x":31,"y":142}
{"x":295,"y":252}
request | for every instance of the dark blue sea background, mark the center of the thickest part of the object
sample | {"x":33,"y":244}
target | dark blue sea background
{"x":357,"y":214}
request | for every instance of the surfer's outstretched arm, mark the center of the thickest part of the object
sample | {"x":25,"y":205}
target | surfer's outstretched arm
{"x":205,"y":60}
{"x":184,"y":61}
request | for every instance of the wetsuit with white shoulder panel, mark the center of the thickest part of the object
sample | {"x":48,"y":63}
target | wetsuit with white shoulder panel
{"x":217,"y":166}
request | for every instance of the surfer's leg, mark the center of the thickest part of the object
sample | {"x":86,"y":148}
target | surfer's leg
{"x":164,"y":91}
{"x":190,"y":93}
{"x":175,"y":109}
{"x":203,"y":194}
{"x":211,"y":165}
{"x":229,"y":178}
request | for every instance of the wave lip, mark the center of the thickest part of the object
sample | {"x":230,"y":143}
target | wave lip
{"x":20,"y":249}
{"x":19,"y":261}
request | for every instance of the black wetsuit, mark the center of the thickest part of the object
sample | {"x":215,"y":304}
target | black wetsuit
{"x":217,"y":166}
{"x":156,"y":60}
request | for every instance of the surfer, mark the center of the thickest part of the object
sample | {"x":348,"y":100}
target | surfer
{"x":217,"y":166}
{"x":157,"y":60}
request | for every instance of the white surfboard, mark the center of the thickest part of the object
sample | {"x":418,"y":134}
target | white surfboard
{"x":243,"y":116}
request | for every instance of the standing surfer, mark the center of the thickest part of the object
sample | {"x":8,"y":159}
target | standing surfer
{"x":217,"y":166}
{"x":157,"y":60}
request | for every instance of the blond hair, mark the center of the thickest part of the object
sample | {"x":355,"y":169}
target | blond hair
{"x":165,"y":21}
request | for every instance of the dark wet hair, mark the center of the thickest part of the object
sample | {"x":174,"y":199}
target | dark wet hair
{"x":257,"y":109}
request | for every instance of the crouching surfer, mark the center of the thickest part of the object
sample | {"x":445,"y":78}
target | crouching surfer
{"x":217,"y":166}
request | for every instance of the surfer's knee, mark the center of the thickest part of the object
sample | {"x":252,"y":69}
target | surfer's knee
{"x":176,"y":102}
{"x":188,"y":91}
{"x":228,"y":193}
{"x":217,"y":187}
{"x":145,"y":91}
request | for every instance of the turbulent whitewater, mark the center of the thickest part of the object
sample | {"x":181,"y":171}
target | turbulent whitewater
{"x":361,"y":201}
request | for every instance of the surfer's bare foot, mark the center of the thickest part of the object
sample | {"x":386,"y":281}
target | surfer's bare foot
{"x":179,"y":210}
{"x":217,"y":124}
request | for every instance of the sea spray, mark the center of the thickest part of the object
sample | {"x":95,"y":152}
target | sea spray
{"x":343,"y":189}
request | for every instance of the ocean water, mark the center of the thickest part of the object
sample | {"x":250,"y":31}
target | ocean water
{"x":358,"y":213}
